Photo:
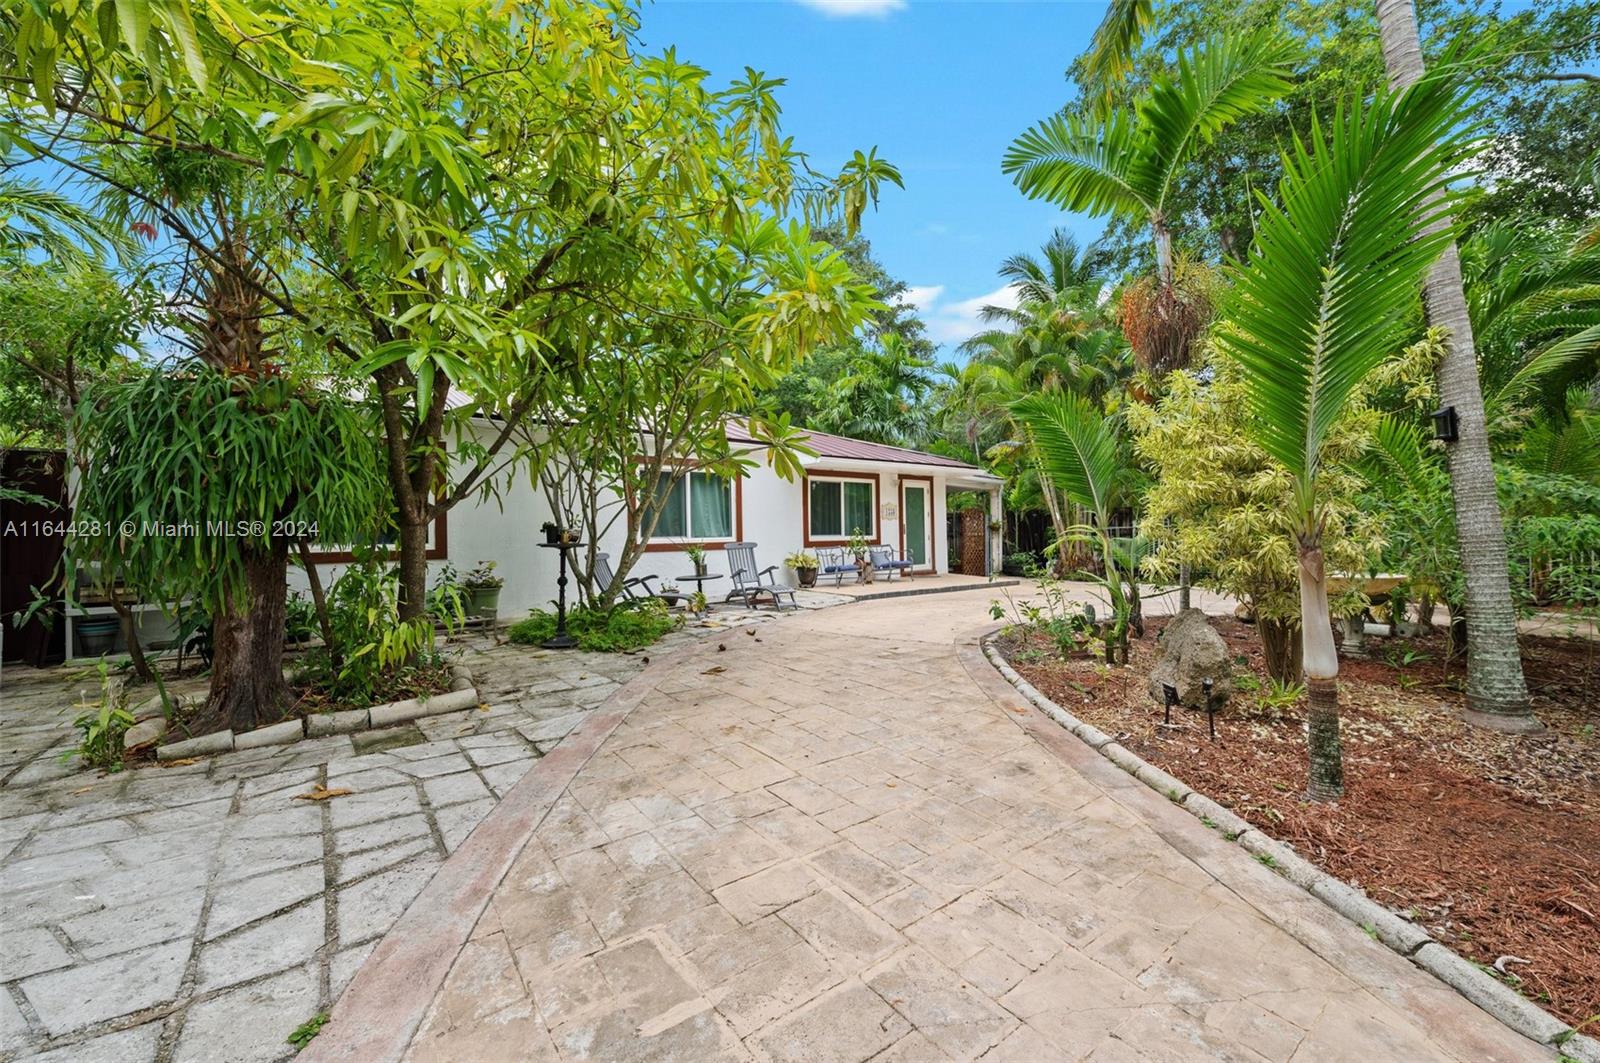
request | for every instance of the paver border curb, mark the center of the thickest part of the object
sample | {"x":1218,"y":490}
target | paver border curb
{"x":461,"y":695}
{"x":1400,"y":935}
{"x":383,"y":1007}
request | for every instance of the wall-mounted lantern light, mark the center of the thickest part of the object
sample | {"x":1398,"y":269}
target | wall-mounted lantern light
{"x":1446,"y":426}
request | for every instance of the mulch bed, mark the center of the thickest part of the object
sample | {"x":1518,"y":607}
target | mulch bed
{"x":1490,"y":841}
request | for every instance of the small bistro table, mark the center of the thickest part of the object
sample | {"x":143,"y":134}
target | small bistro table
{"x":561,"y":640}
{"x":699,"y":580}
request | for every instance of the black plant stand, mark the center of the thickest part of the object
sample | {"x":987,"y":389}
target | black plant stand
{"x":561,"y":640}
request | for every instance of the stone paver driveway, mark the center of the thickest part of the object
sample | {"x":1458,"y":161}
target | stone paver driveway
{"x":848,"y":840}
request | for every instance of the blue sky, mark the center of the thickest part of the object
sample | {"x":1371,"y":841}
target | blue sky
{"x":939,"y":86}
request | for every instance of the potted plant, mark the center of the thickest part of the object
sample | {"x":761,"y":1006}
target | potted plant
{"x":483,"y":589}
{"x":96,"y":635}
{"x":805,"y":567}
{"x":552,"y":532}
{"x":697,"y":557}
{"x":670,"y":593}
{"x":857,"y":545}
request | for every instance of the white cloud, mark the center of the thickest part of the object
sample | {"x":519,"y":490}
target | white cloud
{"x":855,"y":8}
{"x":921,"y":296}
{"x":955,"y":322}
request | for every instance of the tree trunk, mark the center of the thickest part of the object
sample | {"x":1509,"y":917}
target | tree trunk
{"x":1326,"y":780}
{"x":320,"y":601}
{"x":1165,"y":272}
{"x":1322,"y":677}
{"x":413,"y":566}
{"x":247,"y":684}
{"x":1497,"y":695}
{"x":1280,"y":645}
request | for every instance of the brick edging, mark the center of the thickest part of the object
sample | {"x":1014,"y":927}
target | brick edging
{"x":1400,"y":935}
{"x":383,"y":1007}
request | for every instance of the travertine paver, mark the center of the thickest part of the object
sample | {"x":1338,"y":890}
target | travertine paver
{"x":847,"y":842}
{"x":202,"y":912}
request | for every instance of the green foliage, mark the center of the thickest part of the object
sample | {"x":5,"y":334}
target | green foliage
{"x":1277,"y":696}
{"x":190,"y":468}
{"x":306,"y":1031}
{"x":101,"y":727}
{"x":1542,"y":131}
{"x":626,"y":627}
{"x":1331,"y":285}
{"x":1221,"y":505}
{"x":372,"y":645}
{"x":62,"y":332}
{"x":300,"y":617}
{"x":1125,"y":161}
{"x":871,"y":383}
{"x":1083,"y":455}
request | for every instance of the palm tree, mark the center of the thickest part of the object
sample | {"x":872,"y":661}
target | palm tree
{"x":1080,"y":452}
{"x":1327,"y":293}
{"x":1497,"y":694}
{"x":1125,"y":162}
{"x":1063,"y":275}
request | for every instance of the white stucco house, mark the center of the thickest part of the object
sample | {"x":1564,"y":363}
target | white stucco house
{"x":896,"y":496}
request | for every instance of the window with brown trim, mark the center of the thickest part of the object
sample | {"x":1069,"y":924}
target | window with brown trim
{"x":838,"y":507}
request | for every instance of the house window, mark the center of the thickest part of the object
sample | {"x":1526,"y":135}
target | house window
{"x":697,"y":507}
{"x":838,"y":508}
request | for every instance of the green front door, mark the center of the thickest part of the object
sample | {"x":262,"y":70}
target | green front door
{"x":914,"y":506}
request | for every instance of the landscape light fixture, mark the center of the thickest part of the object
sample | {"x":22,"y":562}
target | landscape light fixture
{"x":1211,"y":707}
{"x":1170,"y":694}
{"x":1446,"y":425}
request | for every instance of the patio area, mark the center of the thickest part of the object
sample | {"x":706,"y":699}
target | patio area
{"x":900,"y":586}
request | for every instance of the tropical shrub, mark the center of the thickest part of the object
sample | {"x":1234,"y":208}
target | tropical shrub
{"x":373,"y":648}
{"x":1223,"y":506}
{"x":625,"y":627}
{"x":102,"y":726}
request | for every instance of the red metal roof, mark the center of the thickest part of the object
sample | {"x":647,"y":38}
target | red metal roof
{"x":828,"y":445}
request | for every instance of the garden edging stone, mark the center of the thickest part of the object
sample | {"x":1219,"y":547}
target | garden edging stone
{"x":1398,"y":934}
{"x":462,"y":695}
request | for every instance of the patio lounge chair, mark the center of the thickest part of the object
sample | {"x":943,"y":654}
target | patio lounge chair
{"x":603,"y":575}
{"x":883,"y":560}
{"x":749,"y":583}
{"x":835,"y":562}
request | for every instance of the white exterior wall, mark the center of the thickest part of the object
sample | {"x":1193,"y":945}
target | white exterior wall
{"x":507,"y":530}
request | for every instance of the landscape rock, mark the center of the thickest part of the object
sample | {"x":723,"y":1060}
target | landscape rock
{"x":1191,"y":651}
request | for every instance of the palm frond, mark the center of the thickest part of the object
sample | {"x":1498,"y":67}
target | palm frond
{"x":1335,"y":273}
{"x":1111,"y":49}
{"x":1557,"y":358}
{"x":1217,"y":82}
{"x":1077,"y":447}
{"x":1081,"y":162}
{"x":1400,"y":463}
{"x":34,"y":219}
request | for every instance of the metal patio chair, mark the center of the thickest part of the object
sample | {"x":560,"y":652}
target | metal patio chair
{"x":834,"y":561}
{"x":750,"y":583}
{"x":883,"y":560}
